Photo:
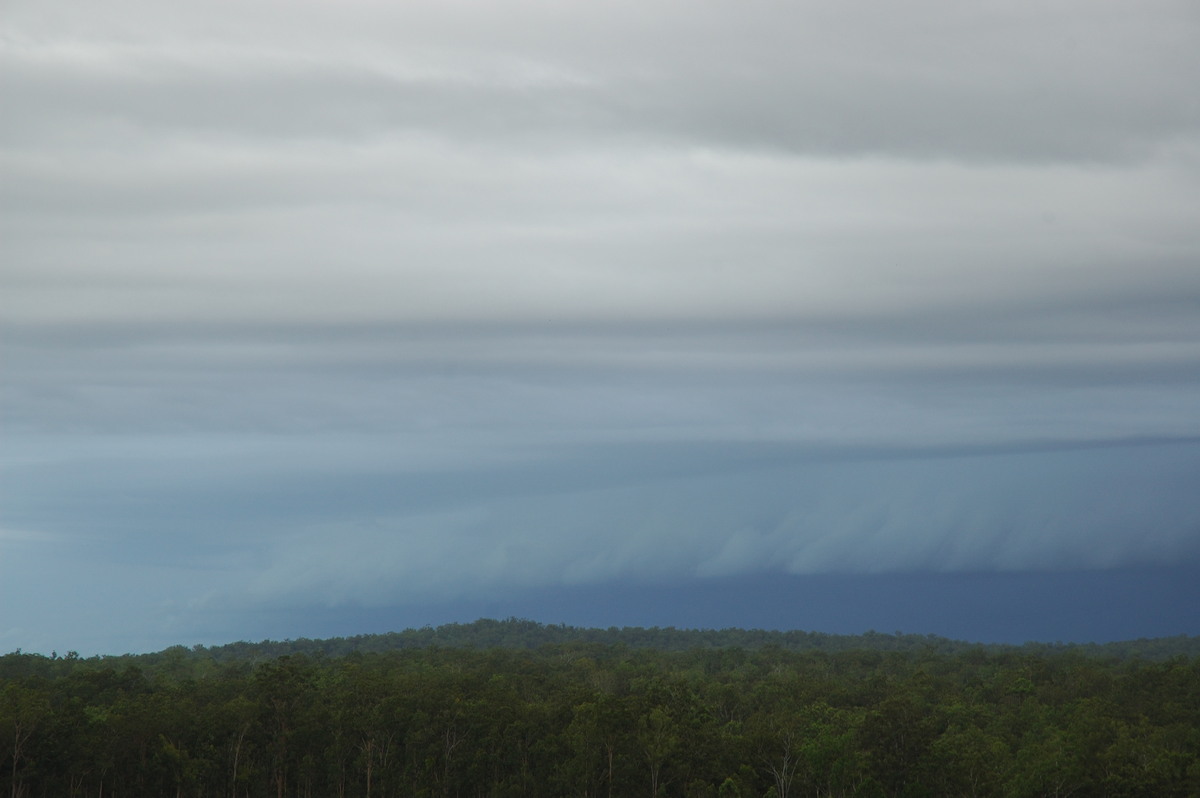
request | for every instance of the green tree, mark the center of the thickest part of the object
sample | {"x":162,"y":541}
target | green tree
{"x":23,"y":712}
{"x":658,"y":741}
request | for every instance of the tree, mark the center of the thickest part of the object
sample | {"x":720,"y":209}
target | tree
{"x":23,"y":710}
{"x":282,"y":690}
{"x":658,"y":741}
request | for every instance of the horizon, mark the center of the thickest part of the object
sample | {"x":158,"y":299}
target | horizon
{"x":1104,"y":608}
{"x":327,"y":316}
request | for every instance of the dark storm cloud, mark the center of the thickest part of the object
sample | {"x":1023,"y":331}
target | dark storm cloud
{"x":342,"y":522}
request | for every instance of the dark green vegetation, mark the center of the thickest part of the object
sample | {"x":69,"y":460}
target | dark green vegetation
{"x":518,"y":709}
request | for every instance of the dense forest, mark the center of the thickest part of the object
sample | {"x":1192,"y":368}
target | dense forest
{"x":514,"y":708}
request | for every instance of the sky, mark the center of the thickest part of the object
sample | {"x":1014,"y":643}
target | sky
{"x":325,"y":318}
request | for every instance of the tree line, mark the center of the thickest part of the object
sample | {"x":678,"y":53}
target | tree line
{"x":521,"y":633}
{"x":601,"y":720}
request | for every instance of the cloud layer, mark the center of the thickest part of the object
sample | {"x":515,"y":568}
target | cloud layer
{"x":369,"y":303}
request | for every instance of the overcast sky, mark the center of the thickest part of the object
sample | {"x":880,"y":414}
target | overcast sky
{"x":365,"y":308}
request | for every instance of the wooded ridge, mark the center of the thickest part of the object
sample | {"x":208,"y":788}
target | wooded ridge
{"x":520,"y":633}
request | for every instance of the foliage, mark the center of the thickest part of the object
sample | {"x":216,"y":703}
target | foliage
{"x":502,"y":713}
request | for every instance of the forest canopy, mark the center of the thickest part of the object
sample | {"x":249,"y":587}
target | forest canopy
{"x":508,"y":708}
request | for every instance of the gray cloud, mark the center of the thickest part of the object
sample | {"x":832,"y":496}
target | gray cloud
{"x":651,"y":291}
{"x":587,"y":516}
{"x":928,"y":81}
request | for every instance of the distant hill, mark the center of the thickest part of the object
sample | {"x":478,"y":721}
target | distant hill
{"x":516,"y":633}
